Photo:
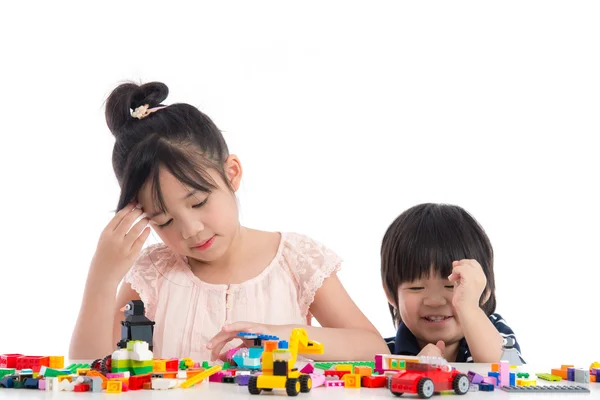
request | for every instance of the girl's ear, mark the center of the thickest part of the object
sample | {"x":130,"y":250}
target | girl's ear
{"x":233,"y":171}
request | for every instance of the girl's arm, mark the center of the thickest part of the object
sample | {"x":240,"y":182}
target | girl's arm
{"x":346,"y":333}
{"x":485,"y":342}
{"x":97,"y":329}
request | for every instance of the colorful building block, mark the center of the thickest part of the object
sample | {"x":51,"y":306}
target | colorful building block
{"x":352,"y":381}
{"x":547,"y":377}
{"x":374,"y":381}
{"x":9,"y":360}
{"x":334,"y":383}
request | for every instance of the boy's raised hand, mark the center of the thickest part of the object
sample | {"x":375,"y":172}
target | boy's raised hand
{"x":433,"y":350}
{"x":469,"y":283}
{"x":120,"y":244}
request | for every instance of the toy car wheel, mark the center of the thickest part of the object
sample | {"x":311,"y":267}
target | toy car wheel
{"x":253,"y":385}
{"x":268,"y":390}
{"x":106,"y":365}
{"x":460,"y":384}
{"x":292,"y":387}
{"x":95,"y":365}
{"x":305,"y":383}
{"x":425,"y":388}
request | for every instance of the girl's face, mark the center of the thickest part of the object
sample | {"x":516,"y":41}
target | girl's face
{"x":196,"y":224}
{"x":425,"y":306}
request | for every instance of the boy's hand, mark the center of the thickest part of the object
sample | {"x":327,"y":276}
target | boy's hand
{"x":230,"y":332}
{"x":469,"y":283}
{"x":433,"y":350}
{"x":120,"y":244}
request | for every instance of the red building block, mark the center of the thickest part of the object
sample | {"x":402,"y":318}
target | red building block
{"x":374,"y":381}
{"x":172,"y":365}
{"x":9,"y":360}
{"x":82,"y":387}
{"x":136,"y":382}
{"x":339,"y":374}
{"x":34,"y":363}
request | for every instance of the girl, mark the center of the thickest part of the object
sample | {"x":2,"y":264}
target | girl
{"x":437,"y":271}
{"x":211,"y":275}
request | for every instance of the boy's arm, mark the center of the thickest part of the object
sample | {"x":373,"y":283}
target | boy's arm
{"x":483,"y":339}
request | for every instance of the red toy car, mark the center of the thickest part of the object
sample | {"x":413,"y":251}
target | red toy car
{"x":427,"y":379}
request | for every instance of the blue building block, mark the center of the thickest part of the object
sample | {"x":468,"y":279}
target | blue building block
{"x":513,"y":379}
{"x":571,"y":374}
{"x":284,"y":345}
{"x":486,"y":387}
{"x":7,"y":382}
{"x":31,"y":383}
{"x":255,"y":352}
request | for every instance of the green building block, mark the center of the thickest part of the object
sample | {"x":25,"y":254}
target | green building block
{"x":205,"y":365}
{"x":6,"y":371}
{"x":548,"y":377}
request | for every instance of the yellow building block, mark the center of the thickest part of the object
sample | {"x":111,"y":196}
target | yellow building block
{"x":202,"y":375}
{"x":83,"y":371}
{"x":351,"y":381}
{"x":343,"y":367}
{"x":159,"y":365}
{"x":63,"y":377}
{"x":526,"y":382}
{"x":114,"y":386}
{"x":363,"y":371}
{"x":57,"y":362}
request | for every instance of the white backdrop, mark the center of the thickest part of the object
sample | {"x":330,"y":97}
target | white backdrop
{"x":343,"y":114}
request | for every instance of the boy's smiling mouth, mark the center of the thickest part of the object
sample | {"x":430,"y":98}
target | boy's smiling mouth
{"x":437,"y":318}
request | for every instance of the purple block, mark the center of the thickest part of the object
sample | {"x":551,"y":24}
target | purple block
{"x":571,"y":374}
{"x":242,"y":380}
{"x":474,"y":377}
{"x":308,"y":369}
{"x":217,"y":377}
{"x":42,"y":384}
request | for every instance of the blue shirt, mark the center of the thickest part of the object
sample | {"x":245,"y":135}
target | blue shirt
{"x":405,"y":343}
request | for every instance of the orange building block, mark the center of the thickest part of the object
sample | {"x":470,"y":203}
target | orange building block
{"x":57,"y":362}
{"x":363,"y":371}
{"x":563,"y":373}
{"x":270,"y":345}
{"x":495,"y":367}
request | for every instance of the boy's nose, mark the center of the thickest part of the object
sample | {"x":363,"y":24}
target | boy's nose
{"x":435,"y":301}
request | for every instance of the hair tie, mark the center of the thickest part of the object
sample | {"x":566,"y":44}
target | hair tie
{"x":143,"y":111}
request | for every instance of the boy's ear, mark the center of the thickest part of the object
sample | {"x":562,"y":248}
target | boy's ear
{"x":485,"y":296}
{"x":390,"y":299}
{"x":233,"y":170}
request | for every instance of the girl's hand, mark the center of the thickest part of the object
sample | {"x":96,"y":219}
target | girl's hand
{"x":469,"y":283}
{"x":433,"y":350}
{"x":230,"y":332}
{"x":120,"y":244}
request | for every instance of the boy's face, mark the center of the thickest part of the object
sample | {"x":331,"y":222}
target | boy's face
{"x":198,"y":225}
{"x":425,"y":306}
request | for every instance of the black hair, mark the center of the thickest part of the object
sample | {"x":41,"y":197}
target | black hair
{"x":430,"y":237}
{"x":179,"y":138}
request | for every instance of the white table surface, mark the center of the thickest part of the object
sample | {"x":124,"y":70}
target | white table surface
{"x":224,"y":391}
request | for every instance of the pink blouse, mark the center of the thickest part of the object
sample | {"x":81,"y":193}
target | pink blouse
{"x":189,"y":312}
